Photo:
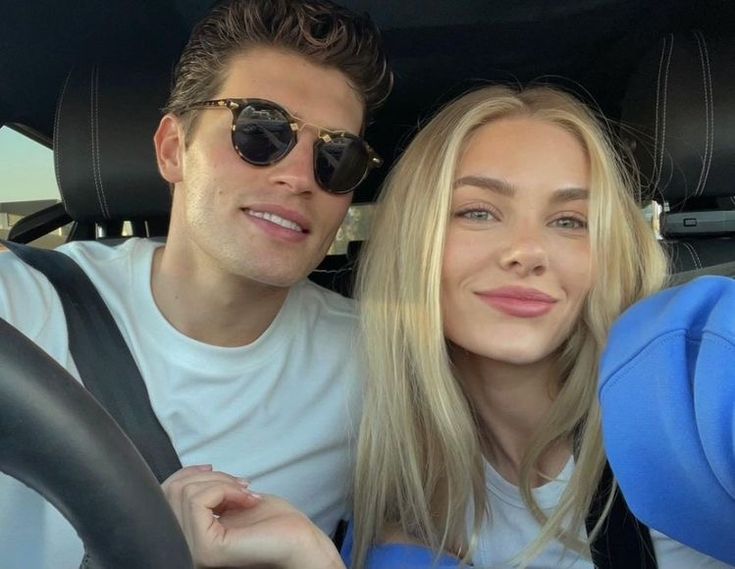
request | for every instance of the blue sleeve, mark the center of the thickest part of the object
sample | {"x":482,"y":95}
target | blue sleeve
{"x":667,"y":391}
{"x":398,"y":556}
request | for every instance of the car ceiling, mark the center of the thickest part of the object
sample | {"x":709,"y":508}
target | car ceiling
{"x":437,"y":47}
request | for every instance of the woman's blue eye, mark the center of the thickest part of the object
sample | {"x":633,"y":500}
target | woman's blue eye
{"x":570,"y":223}
{"x":477,"y":215}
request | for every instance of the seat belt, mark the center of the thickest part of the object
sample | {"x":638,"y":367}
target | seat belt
{"x":622,"y":542}
{"x":103,"y":359}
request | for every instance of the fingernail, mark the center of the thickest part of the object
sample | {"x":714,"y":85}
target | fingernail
{"x":253,"y":494}
{"x":244,"y":482}
{"x":203,"y":466}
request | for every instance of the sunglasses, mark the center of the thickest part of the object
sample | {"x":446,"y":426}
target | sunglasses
{"x":263,"y":133}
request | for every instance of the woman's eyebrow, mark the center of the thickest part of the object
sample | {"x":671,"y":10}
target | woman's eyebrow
{"x":570,"y":195}
{"x":492,"y":184}
{"x":504,"y":188}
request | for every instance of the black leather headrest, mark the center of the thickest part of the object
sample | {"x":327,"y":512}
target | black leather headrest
{"x":680,"y":110}
{"x":103,"y":144}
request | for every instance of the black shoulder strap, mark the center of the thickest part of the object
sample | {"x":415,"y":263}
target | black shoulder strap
{"x":102,"y":357}
{"x":623,"y":542}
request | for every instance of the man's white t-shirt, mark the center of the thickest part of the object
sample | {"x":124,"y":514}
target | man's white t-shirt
{"x":281,"y":412}
{"x":512,"y":527}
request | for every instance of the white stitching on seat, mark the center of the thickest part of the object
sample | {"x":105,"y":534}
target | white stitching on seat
{"x":693,"y":253}
{"x":664,"y":105}
{"x":99,"y":153}
{"x":709,"y":113}
{"x":706,"y":116}
{"x":655,"y":174}
{"x":57,"y":135}
{"x":92,"y":138}
{"x":711,"y":109}
{"x":95,"y":145}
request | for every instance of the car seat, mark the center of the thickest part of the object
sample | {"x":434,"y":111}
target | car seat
{"x":104,"y":156}
{"x":679,"y":117}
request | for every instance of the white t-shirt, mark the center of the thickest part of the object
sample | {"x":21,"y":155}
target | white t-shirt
{"x":512,"y":527}
{"x":282,"y":411}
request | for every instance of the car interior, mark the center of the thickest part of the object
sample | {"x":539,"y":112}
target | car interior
{"x":678,"y":112}
{"x":89,"y":80}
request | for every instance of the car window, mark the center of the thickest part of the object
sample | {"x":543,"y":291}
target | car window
{"x":27,"y":182}
{"x":355,"y":227}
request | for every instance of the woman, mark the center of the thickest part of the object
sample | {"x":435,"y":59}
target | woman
{"x":507,"y":242}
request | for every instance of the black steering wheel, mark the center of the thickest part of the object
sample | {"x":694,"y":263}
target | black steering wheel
{"x":58,"y":440}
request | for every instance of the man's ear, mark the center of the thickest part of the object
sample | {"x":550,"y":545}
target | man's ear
{"x":169,"y":143}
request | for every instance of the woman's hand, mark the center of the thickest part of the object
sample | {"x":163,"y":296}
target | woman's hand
{"x":227,"y":525}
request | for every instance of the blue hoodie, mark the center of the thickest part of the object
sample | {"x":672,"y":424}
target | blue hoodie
{"x":667,"y":391}
{"x":399,"y":556}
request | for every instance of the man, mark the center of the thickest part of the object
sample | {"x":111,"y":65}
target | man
{"x":249,"y":366}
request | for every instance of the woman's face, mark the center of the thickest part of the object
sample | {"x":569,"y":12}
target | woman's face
{"x":517,"y":257}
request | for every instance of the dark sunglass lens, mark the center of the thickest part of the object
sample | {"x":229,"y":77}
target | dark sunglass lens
{"x":341,"y":163}
{"x":262,"y":134}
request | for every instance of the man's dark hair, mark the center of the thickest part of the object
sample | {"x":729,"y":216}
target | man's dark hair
{"x":321,"y":31}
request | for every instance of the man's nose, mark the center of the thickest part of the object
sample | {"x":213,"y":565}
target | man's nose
{"x":295,"y":171}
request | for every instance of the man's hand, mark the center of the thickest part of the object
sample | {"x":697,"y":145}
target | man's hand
{"x":227,"y":525}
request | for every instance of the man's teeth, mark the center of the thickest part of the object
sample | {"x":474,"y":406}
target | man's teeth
{"x":277,"y":219}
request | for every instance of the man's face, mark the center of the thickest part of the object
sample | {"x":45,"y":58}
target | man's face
{"x":268,"y":224}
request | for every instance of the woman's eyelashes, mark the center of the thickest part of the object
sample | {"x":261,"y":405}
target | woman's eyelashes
{"x":483,"y":213}
{"x":569,"y":222}
{"x":477,"y":213}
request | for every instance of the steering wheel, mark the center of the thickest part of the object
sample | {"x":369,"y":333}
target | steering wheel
{"x":58,"y":440}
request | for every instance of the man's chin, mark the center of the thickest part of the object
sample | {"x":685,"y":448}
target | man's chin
{"x":264,"y":267}
{"x":278,"y":279}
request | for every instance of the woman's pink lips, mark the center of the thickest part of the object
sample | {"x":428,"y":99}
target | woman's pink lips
{"x":521,"y":303}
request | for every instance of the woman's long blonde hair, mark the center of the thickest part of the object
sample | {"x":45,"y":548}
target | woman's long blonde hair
{"x":420,"y":465}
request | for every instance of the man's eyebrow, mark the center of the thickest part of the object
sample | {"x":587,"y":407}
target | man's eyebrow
{"x":506,"y":189}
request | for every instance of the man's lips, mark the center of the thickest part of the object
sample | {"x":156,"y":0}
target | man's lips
{"x":282,"y":217}
{"x":520,"y":302}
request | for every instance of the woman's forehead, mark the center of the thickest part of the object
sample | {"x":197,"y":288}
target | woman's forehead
{"x":518,"y":151}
